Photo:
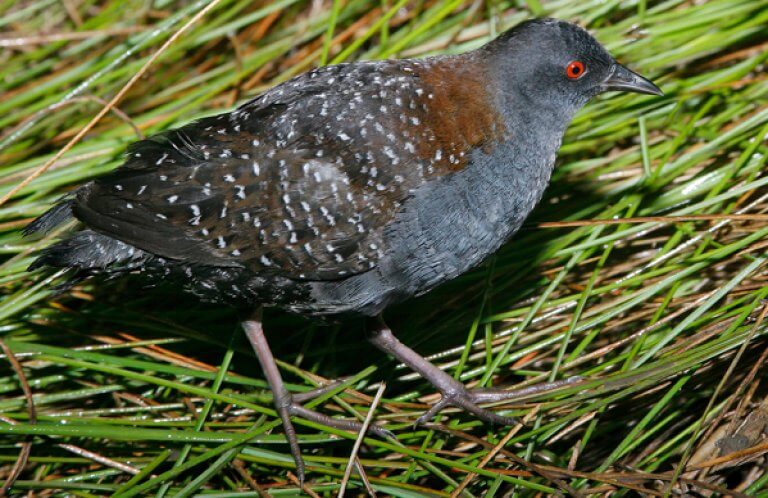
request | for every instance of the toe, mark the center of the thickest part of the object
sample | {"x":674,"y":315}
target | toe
{"x":381,"y":432}
{"x":428,"y":415}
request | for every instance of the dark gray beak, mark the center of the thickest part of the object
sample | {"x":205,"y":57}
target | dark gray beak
{"x":623,"y":80}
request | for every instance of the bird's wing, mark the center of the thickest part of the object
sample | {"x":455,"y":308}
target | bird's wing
{"x":290,"y":214}
{"x":300,"y":182}
{"x":278,"y":186}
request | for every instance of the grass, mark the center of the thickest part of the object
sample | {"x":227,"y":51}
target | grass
{"x":140,"y":391}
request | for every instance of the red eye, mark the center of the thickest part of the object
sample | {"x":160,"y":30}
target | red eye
{"x":574,"y":70}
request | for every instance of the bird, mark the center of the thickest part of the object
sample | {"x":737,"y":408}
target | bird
{"x":345,"y":190}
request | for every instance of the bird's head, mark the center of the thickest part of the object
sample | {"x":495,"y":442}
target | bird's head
{"x":556,"y":67}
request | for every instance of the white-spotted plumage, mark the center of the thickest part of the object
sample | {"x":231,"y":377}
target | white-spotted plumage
{"x":296,"y":183}
{"x":346,"y":188}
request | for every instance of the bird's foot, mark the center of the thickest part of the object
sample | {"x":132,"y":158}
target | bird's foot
{"x":454,"y":393}
{"x":288,"y":405}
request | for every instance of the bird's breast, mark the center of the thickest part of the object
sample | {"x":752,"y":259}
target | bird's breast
{"x":453,"y":224}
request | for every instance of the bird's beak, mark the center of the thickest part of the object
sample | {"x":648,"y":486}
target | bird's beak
{"x":622,"y":79}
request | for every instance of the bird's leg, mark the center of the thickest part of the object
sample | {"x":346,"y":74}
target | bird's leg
{"x":453,"y":392}
{"x":284,"y":401}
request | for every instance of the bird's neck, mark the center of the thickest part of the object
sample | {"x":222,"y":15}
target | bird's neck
{"x":490,"y":109}
{"x":532,"y":120}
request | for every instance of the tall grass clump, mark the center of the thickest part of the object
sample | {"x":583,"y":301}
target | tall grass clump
{"x":643,"y":272}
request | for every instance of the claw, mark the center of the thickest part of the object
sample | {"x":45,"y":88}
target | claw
{"x":381,"y":432}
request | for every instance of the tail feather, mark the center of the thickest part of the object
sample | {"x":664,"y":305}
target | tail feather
{"x":49,"y":220}
{"x":91,"y":252}
{"x":87,"y":252}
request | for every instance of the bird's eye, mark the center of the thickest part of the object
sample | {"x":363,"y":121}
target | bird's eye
{"x":574,"y":70}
